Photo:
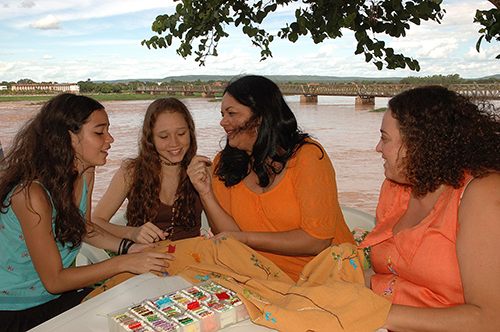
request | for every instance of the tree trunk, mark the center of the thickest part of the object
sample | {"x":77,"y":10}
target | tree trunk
{"x":496,"y":3}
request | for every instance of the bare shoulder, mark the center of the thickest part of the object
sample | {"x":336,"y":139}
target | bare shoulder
{"x":31,"y":199}
{"x":481,"y":188}
{"x":481,"y":200}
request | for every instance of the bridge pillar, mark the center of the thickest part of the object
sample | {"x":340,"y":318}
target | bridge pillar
{"x":187,"y":93}
{"x":208,"y":94}
{"x":365,"y":100}
{"x":309,"y":99}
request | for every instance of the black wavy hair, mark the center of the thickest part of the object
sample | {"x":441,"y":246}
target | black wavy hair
{"x":278,"y":139}
{"x":445,"y":135}
{"x":42,"y":151}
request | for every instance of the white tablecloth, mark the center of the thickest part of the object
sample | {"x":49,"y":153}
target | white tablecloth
{"x":91,"y":316}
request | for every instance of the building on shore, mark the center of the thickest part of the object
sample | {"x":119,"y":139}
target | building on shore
{"x":52,"y":87}
{"x":3,"y":87}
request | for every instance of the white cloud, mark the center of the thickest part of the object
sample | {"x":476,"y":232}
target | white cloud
{"x":50,"y":22}
{"x":27,"y":4}
{"x":48,"y":57}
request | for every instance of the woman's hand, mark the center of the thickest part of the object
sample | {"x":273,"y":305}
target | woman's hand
{"x":148,"y":233}
{"x":237,"y":235}
{"x":145,"y":262}
{"x":200,"y":174}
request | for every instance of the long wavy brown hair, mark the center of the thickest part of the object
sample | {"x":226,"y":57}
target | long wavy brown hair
{"x":145,"y":171}
{"x":42,"y":152}
{"x":446,"y":135}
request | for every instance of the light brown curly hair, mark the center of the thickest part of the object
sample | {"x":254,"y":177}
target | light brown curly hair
{"x":145,"y":171}
{"x":445,"y":135}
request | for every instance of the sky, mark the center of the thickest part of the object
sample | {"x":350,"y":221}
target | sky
{"x":75,"y":40}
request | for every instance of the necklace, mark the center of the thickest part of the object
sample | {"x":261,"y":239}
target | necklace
{"x":172,"y":220}
{"x":168,"y":163}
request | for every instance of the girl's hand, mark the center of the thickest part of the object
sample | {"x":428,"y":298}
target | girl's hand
{"x":138,"y":247}
{"x":200,"y":174}
{"x":148,"y":233}
{"x":145,"y":262}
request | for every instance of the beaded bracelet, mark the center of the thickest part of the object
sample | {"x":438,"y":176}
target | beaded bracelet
{"x":124,"y":246}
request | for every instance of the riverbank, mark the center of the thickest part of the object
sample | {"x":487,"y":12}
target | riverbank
{"x":98,"y":97}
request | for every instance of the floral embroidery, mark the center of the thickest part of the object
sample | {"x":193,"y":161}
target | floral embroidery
{"x":21,"y":237}
{"x":194,"y":255}
{"x":10,"y":268}
{"x":389,"y":291}
{"x":351,"y":257}
{"x":389,"y":266}
{"x":5,"y":292}
{"x":261,"y":266}
{"x":223,"y":238}
{"x":268,"y":317}
{"x":248,"y":293}
{"x":359,"y":235}
{"x":25,"y":255}
{"x":171,"y":249}
{"x":32,"y":288}
{"x":2,"y":227}
{"x":202,"y":278}
{"x":219,"y":276}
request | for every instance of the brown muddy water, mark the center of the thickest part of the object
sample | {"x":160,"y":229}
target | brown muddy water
{"x":348,"y":133}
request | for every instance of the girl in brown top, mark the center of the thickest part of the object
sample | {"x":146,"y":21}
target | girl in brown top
{"x":162,"y":203}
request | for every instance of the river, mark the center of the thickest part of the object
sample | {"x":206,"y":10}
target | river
{"x":348,"y":133}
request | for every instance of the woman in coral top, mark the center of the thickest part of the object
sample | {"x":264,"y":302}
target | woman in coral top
{"x":274,"y":187}
{"x":435,"y":248}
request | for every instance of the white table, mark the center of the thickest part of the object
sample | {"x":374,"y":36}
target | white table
{"x":91,"y":316}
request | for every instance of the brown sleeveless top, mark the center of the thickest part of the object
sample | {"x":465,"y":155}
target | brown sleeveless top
{"x":164,"y":221}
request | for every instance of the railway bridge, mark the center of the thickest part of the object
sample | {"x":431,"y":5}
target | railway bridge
{"x":364,"y":93}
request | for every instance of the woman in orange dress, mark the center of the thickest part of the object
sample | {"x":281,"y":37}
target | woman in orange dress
{"x":274,"y":187}
{"x":435,"y":248}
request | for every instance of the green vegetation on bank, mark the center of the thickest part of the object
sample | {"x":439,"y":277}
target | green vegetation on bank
{"x":98,"y":97}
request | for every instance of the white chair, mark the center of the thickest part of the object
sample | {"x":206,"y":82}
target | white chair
{"x":89,"y":254}
{"x":358,"y":219}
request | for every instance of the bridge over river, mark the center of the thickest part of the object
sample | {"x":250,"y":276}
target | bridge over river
{"x":364,"y":93}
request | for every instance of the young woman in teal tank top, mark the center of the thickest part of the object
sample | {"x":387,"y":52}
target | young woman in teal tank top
{"x":46,"y":183}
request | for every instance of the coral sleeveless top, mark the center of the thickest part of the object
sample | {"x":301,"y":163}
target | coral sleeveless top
{"x":418,"y":266}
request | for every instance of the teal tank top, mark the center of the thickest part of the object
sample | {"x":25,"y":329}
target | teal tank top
{"x":20,"y":286}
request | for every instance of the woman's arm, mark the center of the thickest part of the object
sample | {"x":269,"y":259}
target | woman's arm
{"x":478,"y":249}
{"x":296,"y":242}
{"x":111,"y":202}
{"x":34,"y":212}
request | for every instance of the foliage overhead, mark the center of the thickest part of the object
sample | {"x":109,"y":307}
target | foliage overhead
{"x":490,"y":20}
{"x":205,"y":23}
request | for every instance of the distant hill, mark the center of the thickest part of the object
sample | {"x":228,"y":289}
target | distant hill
{"x":275,"y":78}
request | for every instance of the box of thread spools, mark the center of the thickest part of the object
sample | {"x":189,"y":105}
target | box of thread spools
{"x":203,"y":307}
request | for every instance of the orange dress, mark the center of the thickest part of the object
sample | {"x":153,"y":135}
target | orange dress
{"x":305,"y":198}
{"x":417,"y":266}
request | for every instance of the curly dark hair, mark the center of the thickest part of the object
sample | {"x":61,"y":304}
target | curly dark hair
{"x":42,"y":151}
{"x":279,"y":137}
{"x":445,"y":135}
{"x":145,"y":171}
